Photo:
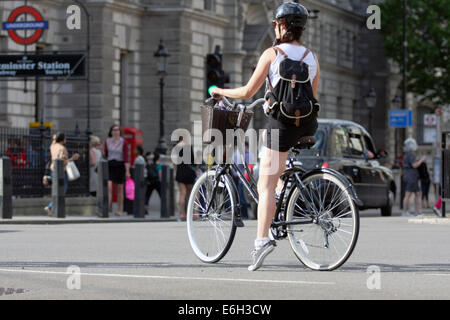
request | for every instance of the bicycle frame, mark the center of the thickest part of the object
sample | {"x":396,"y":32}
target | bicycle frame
{"x":251,"y":187}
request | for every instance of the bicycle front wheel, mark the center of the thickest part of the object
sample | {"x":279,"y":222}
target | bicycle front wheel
{"x":211,"y":232}
{"x":327,"y":241}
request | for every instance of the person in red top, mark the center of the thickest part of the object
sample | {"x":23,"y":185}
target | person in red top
{"x":18,"y":155}
{"x":117,"y":153}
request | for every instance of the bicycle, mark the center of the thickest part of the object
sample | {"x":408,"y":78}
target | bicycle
{"x":317,"y":211}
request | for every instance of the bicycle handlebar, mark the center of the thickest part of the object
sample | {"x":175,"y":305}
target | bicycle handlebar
{"x":240,"y":106}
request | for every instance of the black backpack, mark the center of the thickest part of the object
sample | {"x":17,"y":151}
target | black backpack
{"x":292,"y":100}
{"x":152,"y":173}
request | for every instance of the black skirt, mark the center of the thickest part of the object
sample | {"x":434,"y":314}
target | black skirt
{"x":185,"y":174}
{"x":116,"y":171}
{"x":288,"y":136}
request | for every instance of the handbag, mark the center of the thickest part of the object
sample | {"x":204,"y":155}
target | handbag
{"x":72,"y":171}
{"x":129,"y":189}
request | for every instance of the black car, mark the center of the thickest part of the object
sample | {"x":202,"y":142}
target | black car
{"x":343,"y":146}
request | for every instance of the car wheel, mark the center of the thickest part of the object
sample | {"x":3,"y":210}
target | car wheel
{"x":387,"y":211}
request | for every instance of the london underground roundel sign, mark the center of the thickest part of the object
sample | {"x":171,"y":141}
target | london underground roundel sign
{"x":38,"y":25}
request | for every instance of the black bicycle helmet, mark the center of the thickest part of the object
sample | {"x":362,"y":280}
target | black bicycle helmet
{"x":295,"y":14}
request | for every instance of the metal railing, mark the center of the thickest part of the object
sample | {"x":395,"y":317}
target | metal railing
{"x":29,"y":151}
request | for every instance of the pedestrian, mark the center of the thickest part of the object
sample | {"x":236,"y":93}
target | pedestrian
{"x":289,"y":21}
{"x":425,"y":182}
{"x":154,"y":173}
{"x":140,"y":159}
{"x":95,"y":156}
{"x":116,"y":152}
{"x":59,"y":151}
{"x":185,"y":176}
{"x":411,"y":176}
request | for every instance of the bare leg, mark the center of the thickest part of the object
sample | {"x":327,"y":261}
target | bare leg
{"x":267,"y":182}
{"x":110,"y":194}
{"x":119,"y":199}
{"x":406,"y":201}
{"x":188,"y":190}
{"x":181,"y":200}
{"x":417,"y":201}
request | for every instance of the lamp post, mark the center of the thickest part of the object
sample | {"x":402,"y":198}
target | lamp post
{"x":371,"y":102}
{"x":88,"y":49}
{"x":397,"y":101}
{"x":161,"y":56}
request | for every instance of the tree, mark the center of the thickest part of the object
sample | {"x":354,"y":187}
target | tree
{"x":428,"y":36}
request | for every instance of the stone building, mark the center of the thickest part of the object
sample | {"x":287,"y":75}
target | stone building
{"x":124,"y":86}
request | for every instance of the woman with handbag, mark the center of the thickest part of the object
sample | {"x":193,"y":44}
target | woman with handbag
{"x":59,"y":151}
{"x":117,"y":154}
{"x":289,"y":20}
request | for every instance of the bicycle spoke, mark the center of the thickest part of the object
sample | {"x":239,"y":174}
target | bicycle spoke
{"x":210,"y":218}
{"x":327,"y":242}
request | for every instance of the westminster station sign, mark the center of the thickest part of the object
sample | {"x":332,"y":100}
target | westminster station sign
{"x":43,"y":65}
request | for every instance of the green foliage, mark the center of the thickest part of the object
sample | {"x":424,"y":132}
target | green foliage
{"x":428,"y":37}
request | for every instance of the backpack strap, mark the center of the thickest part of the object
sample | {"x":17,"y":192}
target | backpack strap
{"x":305,"y":55}
{"x":285,"y":56}
{"x":281,"y":52}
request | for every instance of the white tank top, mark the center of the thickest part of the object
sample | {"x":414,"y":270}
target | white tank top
{"x":295,"y":53}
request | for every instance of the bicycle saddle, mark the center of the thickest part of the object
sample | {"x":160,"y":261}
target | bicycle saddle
{"x":306,"y":142}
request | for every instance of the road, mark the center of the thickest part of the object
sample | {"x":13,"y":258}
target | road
{"x":154,"y":261}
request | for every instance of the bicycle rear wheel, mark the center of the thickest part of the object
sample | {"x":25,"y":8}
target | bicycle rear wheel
{"x":328,"y":241}
{"x":211,"y":232}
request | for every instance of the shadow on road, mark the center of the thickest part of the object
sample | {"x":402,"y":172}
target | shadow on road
{"x":363,"y":267}
{"x":119,"y":265}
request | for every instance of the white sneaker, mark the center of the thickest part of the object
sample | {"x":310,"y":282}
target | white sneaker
{"x":437,"y":211}
{"x":406,"y":214}
{"x":259,"y":255}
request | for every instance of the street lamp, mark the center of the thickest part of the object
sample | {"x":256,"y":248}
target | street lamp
{"x":161,"y":56}
{"x":397,"y":102}
{"x":371,"y":102}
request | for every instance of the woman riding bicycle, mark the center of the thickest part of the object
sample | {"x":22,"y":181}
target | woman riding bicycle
{"x":289,"y":22}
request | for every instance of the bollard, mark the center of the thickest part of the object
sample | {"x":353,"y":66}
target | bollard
{"x":164,"y":192}
{"x":139,"y":191}
{"x":6,"y":188}
{"x":58,"y":196}
{"x":171,"y":195}
{"x":102,"y":190}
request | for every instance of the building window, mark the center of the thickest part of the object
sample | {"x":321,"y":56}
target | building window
{"x":210,"y":5}
{"x":426,"y":129}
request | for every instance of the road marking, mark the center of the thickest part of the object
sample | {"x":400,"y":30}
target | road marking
{"x":112,"y":275}
{"x":438,"y":274}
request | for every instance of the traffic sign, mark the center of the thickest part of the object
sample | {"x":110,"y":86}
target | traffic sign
{"x":400,"y":118}
{"x":430,"y":120}
{"x":39,"y":25}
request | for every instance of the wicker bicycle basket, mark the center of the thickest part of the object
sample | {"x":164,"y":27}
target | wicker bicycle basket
{"x":221,"y":120}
